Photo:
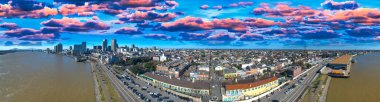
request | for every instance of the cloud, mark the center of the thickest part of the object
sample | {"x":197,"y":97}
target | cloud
{"x":377,"y":38}
{"x":9,"y":25}
{"x":366,"y":31}
{"x":361,"y":15}
{"x":8,"y":43}
{"x":32,"y":34}
{"x":27,"y":5}
{"x":259,"y":22}
{"x":20,"y":32}
{"x":39,"y":37}
{"x":251,"y":37}
{"x":84,"y":10}
{"x":204,"y":7}
{"x":142,"y":16}
{"x":194,"y":24}
{"x":234,"y":25}
{"x":187,"y":24}
{"x":222,"y":36}
{"x":72,"y":24}
{"x":346,"y":5}
{"x":129,"y":31}
{"x":159,"y":37}
{"x":47,"y":30}
{"x":241,"y":4}
{"x":9,"y":11}
{"x":282,"y":10}
{"x":28,"y":43}
{"x":319,"y":34}
{"x":194,"y":36}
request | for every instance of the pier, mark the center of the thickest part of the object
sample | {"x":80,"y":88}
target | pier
{"x":340,"y":67}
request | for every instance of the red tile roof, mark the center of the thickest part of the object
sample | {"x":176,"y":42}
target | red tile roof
{"x":250,"y":85}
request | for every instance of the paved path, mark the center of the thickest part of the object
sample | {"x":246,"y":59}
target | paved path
{"x":122,"y":90}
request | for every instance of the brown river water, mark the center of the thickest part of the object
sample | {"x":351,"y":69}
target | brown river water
{"x":363,"y":84}
{"x":41,"y":77}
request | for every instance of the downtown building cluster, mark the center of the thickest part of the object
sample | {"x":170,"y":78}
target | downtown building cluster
{"x":204,"y":75}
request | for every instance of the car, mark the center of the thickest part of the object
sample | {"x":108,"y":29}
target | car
{"x":160,"y":99}
{"x":144,"y":88}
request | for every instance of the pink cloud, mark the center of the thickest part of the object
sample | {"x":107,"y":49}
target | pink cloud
{"x":72,"y":24}
{"x":377,"y":38}
{"x":230,"y":24}
{"x":233,"y":25}
{"x":141,"y":16}
{"x":159,"y":37}
{"x":38,"y":37}
{"x":8,"y":11}
{"x":281,"y":10}
{"x":259,"y":22}
{"x":128,"y":30}
{"x":222,"y":36}
{"x":9,"y":25}
{"x":31,"y":34}
{"x":251,"y":37}
{"x":188,"y":24}
{"x":85,"y":10}
{"x":138,"y":2}
{"x":204,"y":7}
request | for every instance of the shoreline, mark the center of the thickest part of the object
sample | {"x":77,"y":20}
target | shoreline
{"x":94,"y":78}
{"x":96,"y":85}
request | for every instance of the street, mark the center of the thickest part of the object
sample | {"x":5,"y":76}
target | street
{"x":293,"y":90}
{"x":122,"y":90}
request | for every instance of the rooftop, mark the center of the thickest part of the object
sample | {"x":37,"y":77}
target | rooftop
{"x":250,"y":84}
{"x":345,"y":59}
{"x":182,"y":83}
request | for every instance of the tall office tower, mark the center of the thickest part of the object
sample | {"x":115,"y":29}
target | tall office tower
{"x":58,"y":48}
{"x":114,"y":45}
{"x":105,"y":46}
{"x":133,"y":46}
{"x":84,"y":46}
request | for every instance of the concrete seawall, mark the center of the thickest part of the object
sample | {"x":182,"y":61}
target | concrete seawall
{"x":323,"y":97}
{"x":96,"y":85}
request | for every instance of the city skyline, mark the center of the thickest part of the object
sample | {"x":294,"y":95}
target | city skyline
{"x":204,"y":24}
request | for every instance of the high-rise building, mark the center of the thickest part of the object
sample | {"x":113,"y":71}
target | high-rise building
{"x":77,"y":50}
{"x":105,"y":46}
{"x":133,"y":46}
{"x":114,"y":45}
{"x":84,"y":46}
{"x":58,"y":48}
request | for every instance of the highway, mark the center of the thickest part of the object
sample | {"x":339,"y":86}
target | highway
{"x":293,"y":91}
{"x":120,"y":88}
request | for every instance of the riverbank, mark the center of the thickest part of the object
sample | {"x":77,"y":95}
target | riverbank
{"x":98,"y":95}
{"x":107,"y":91}
{"x":362,"y":86}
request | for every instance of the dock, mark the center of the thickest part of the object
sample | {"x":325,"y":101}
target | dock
{"x":340,"y":67}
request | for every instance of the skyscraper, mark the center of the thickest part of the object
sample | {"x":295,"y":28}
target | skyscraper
{"x":105,"y":46}
{"x":84,"y":46}
{"x":114,"y":45}
{"x":58,"y":48}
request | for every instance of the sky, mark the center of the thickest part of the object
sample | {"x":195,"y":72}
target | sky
{"x":192,"y":24}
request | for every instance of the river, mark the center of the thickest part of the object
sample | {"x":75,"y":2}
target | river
{"x":42,"y":77}
{"x":363,"y":84}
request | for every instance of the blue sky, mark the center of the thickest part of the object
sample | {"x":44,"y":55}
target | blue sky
{"x":192,"y":24}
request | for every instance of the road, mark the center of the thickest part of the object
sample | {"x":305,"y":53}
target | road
{"x":120,"y":88}
{"x":136,"y":84}
{"x":295,"y":88}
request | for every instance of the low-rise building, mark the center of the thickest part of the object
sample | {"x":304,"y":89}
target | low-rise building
{"x":294,"y":71}
{"x":247,"y":89}
{"x":182,"y":86}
